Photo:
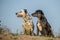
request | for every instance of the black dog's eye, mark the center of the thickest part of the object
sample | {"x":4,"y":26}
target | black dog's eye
{"x":20,"y":12}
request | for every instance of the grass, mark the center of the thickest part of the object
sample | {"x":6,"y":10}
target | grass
{"x":11,"y":36}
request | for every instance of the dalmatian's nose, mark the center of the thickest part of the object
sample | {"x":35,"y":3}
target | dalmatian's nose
{"x":16,"y":13}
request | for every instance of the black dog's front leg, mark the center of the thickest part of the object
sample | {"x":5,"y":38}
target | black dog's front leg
{"x":37,"y":31}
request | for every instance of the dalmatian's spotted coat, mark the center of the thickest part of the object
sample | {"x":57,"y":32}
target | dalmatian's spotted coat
{"x":27,"y":23}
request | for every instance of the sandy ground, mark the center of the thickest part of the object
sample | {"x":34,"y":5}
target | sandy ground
{"x":26,"y":37}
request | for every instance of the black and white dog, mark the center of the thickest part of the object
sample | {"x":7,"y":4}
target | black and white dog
{"x":42,"y":24}
{"x":27,"y":23}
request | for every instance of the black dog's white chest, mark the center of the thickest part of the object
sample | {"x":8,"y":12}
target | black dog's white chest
{"x":39,"y":26}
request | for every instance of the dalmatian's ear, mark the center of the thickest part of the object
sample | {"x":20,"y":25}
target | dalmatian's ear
{"x":25,"y":10}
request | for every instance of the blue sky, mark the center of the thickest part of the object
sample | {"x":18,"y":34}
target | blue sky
{"x":8,"y":8}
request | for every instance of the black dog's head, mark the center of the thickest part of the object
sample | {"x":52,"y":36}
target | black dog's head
{"x":37,"y":13}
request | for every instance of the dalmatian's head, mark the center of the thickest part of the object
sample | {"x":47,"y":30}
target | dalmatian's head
{"x":21,"y":13}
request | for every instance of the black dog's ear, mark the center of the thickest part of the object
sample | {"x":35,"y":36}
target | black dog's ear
{"x":40,"y":11}
{"x":25,"y":10}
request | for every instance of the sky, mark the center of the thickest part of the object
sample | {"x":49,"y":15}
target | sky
{"x":8,"y":9}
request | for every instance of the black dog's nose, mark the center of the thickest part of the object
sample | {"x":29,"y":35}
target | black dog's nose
{"x":16,"y":13}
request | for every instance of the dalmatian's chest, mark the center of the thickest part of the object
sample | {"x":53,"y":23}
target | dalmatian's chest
{"x":28,"y":21}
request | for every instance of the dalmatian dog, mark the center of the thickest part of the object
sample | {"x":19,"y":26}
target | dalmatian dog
{"x":27,"y":23}
{"x":42,"y":24}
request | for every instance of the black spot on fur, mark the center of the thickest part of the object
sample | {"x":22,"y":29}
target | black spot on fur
{"x":25,"y":10}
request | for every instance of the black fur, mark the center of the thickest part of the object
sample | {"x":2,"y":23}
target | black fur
{"x":25,"y":10}
{"x":46,"y":28}
{"x":40,"y":12}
